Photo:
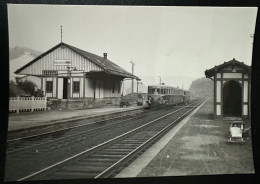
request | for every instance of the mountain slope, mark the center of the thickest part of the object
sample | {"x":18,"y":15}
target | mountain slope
{"x":19,"y":51}
{"x":202,"y":88}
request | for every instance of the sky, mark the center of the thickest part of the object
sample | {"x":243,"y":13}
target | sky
{"x":176,"y":43}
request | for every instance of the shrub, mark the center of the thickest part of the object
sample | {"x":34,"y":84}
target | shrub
{"x":14,"y":90}
{"x":27,"y":86}
{"x":21,"y":88}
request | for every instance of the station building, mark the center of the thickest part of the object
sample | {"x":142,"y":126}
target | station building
{"x":232,"y":89}
{"x":69,"y":72}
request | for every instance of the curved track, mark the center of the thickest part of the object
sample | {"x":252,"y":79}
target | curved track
{"x":84,"y":130}
{"x":104,"y":159}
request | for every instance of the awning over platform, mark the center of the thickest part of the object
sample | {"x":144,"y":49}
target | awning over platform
{"x":104,"y":74}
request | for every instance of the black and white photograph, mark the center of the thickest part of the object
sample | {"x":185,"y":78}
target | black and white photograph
{"x":102,"y":91}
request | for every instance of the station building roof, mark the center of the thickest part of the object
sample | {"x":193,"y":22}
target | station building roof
{"x":108,"y":66}
{"x":211,"y":72}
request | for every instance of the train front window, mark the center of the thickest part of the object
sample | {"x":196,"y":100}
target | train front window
{"x":155,"y":91}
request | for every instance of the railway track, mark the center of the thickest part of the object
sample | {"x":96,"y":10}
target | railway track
{"x":25,"y":156}
{"x":105,"y":159}
{"x":17,"y":145}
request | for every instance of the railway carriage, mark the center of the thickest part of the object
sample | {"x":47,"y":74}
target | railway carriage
{"x":159,"y":95}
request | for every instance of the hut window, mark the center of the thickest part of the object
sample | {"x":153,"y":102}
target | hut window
{"x":76,"y":86}
{"x":49,"y":86}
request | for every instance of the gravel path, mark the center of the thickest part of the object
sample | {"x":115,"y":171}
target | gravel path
{"x":201,"y":148}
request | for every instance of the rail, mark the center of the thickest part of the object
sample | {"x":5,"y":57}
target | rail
{"x":106,"y":172}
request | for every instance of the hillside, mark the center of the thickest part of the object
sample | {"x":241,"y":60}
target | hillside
{"x":19,"y":51}
{"x":202,"y":87}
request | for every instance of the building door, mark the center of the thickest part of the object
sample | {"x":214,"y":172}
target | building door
{"x":94,"y":87}
{"x":65,"y":88}
{"x":232,"y":99}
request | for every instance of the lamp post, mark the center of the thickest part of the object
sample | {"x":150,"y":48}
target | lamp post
{"x":69,"y":68}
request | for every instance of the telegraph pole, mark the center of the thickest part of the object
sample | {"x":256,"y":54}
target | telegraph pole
{"x":60,"y":33}
{"x":133,"y":74}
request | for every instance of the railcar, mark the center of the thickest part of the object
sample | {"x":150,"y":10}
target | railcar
{"x":161,"y":95}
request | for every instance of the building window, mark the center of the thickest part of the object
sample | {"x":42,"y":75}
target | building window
{"x":49,"y":86}
{"x":76,"y":86}
{"x":49,"y":72}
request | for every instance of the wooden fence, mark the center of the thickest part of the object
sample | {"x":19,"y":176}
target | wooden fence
{"x":22,"y":104}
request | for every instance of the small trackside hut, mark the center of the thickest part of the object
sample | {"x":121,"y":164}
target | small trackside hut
{"x":232,"y":89}
{"x":67,"y":72}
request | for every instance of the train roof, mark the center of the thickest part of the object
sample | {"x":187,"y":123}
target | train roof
{"x":163,"y":86}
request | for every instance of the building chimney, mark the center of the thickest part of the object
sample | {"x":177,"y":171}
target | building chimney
{"x":105,"y":55}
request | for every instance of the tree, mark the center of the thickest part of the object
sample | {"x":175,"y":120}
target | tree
{"x":14,"y":90}
{"x":22,"y":88}
{"x":27,"y":86}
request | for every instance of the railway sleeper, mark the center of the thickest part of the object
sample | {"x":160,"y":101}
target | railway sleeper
{"x":92,"y":164}
{"x":94,"y":159}
{"x":86,"y":168}
{"x":133,"y":141}
{"x":108,"y":155}
{"x":115,"y":152}
{"x":127,"y":144}
{"x":123,"y":150}
{"x":70,"y":175}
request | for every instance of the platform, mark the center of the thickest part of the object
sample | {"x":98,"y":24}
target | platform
{"x":196,"y":146}
{"x":28,"y":120}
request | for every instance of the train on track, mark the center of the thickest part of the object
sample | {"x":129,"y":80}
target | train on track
{"x":162,"y":95}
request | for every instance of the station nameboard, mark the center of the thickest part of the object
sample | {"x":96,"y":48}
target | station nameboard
{"x":62,"y":62}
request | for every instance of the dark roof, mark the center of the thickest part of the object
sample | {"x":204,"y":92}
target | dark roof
{"x":211,"y":72}
{"x":107,"y":65}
